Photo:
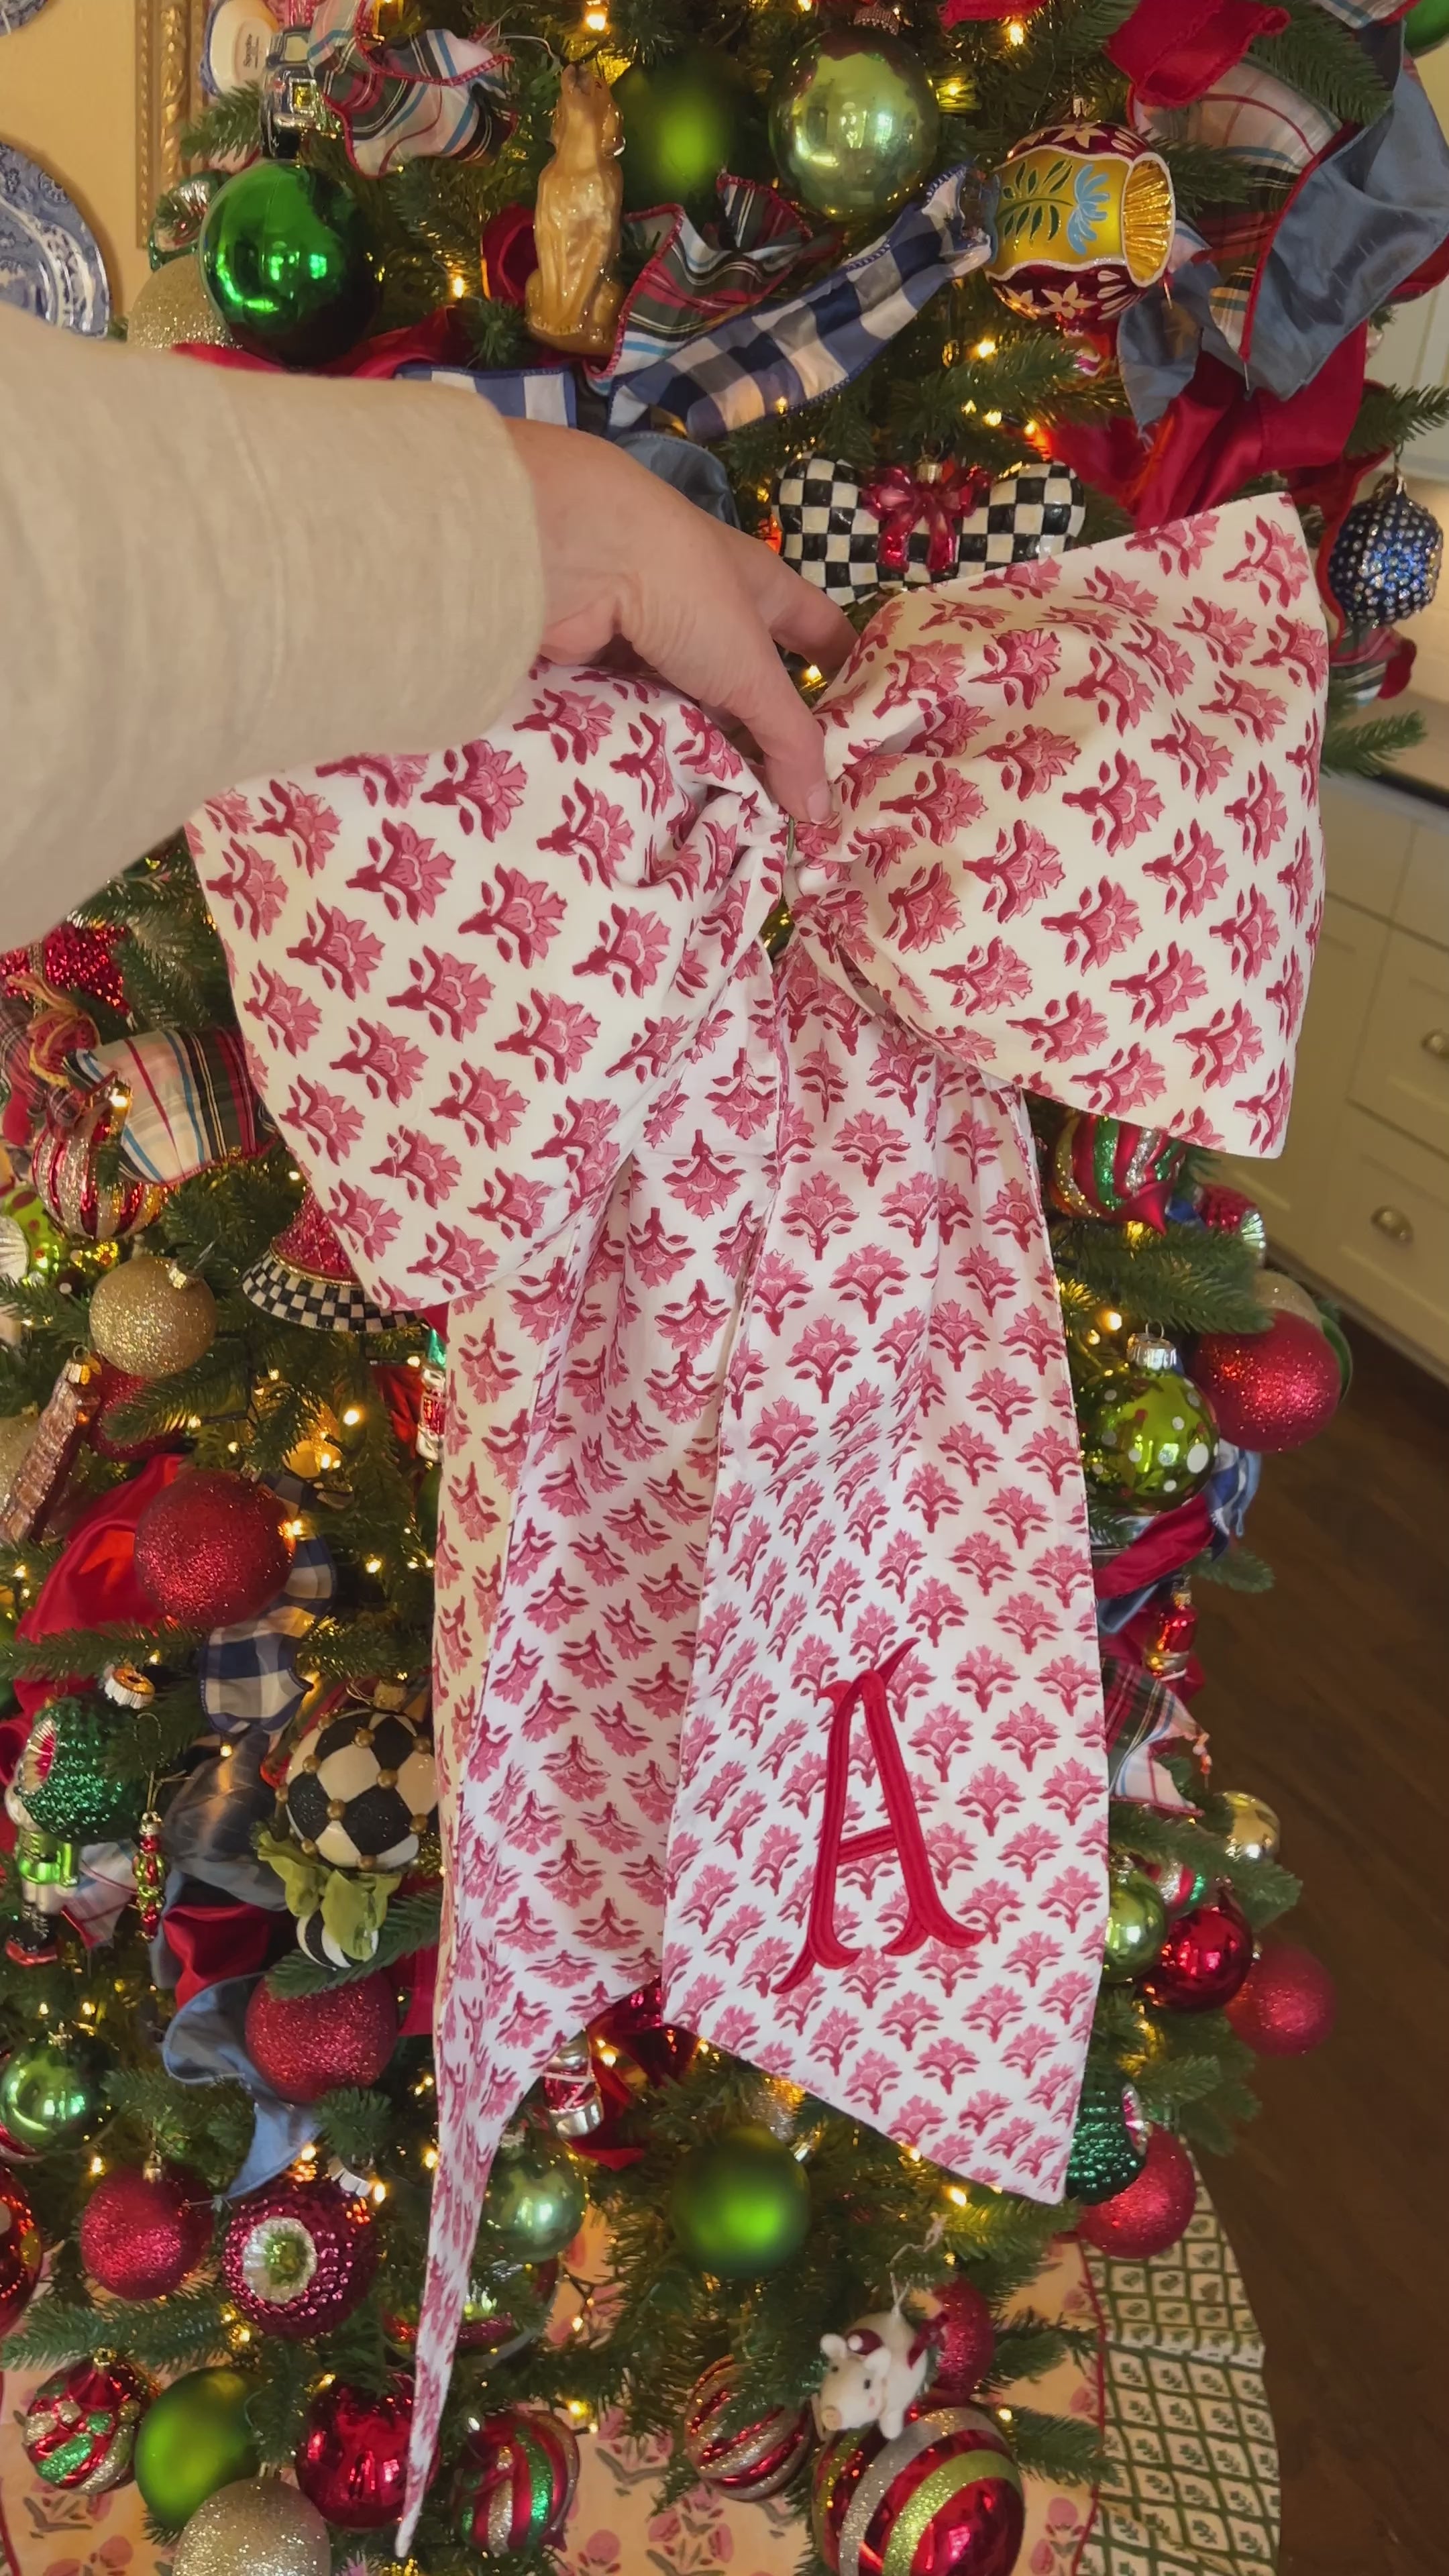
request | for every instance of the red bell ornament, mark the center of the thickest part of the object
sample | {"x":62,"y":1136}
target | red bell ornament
{"x":353,"y":2459}
{"x":944,"y":2496}
{"x":1271,"y":1390}
{"x":1286,"y":2003}
{"x":1152,"y":2211}
{"x":1203,"y":1961}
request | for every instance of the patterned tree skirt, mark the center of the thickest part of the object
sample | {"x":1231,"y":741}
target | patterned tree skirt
{"x":1176,"y":2382}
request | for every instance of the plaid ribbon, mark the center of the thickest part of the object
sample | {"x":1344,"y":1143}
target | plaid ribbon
{"x":688,"y":285}
{"x":436,"y":95}
{"x":247,"y":1675}
{"x":191,"y":1102}
{"x":1257,"y":118}
{"x":790,"y":354}
{"x":1145,"y":1720}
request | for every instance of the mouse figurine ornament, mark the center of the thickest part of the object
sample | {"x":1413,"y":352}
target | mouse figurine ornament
{"x":573,"y":297}
{"x":876,"y":2372}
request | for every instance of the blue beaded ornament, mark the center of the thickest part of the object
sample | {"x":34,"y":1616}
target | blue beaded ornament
{"x":1386,"y":557}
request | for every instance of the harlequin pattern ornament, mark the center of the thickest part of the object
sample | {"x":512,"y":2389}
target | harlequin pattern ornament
{"x":64,"y":1778}
{"x":1109,"y":2142}
{"x":212,"y":1549}
{"x":944,"y":2495}
{"x":1106,"y":1167}
{"x":1386,"y":557}
{"x":1271,"y":1390}
{"x":361,"y":1788}
{"x":850,"y":534}
{"x":1136,"y":1924}
{"x":854,"y":123}
{"x":1084,"y":224}
{"x":306,"y":1278}
{"x":150,"y":1319}
{"x":1255,"y":1832}
{"x":50,"y":2090}
{"x":286,"y":260}
{"x":536,"y":2198}
{"x":754,"y":2460}
{"x":1152,"y":2211}
{"x":740,"y":2206}
{"x":20,"y":2251}
{"x":256,"y":2527}
{"x":193,"y":2439}
{"x":143,"y":2230}
{"x":1148,"y":1434}
{"x":514,"y":2482}
{"x":1286,"y":2004}
{"x":1203,"y":1960}
{"x":306,"y":2045}
{"x":964,"y":2334}
{"x":298,"y":2256}
{"x":352,"y":2459}
{"x":79,"y":2428}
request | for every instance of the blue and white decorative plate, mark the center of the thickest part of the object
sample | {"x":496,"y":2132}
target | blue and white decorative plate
{"x":50,"y":260}
{"x":13,"y":13}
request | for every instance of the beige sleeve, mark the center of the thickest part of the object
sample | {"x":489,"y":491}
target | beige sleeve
{"x":206,"y":574}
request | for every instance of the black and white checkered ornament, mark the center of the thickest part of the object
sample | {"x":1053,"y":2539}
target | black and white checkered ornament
{"x":830,"y":536}
{"x":361,"y":1789}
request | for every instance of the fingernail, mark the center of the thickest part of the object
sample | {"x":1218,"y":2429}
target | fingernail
{"x":821,"y":806}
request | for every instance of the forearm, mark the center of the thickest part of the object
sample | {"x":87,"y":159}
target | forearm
{"x":206,"y":575}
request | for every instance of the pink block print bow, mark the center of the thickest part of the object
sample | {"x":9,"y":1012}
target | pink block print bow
{"x":765,"y":1650}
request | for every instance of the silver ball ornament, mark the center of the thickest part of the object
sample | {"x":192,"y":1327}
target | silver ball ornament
{"x":259,"y":2527}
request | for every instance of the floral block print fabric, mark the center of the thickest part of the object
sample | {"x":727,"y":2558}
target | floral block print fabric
{"x":765,"y":1644}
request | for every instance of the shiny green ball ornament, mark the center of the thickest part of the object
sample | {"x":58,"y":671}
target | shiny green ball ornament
{"x":1136,"y":1926}
{"x":740,"y":2206}
{"x":1426,"y":26}
{"x":1148,"y":1434}
{"x":536,"y":2199}
{"x":287,"y":263}
{"x":1109,"y":2142}
{"x":854,"y":124}
{"x":1255,"y":1831}
{"x":193,"y":2439}
{"x":685,"y":121}
{"x":50,"y":2091}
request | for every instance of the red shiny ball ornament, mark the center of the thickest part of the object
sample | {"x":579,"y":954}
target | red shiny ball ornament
{"x":965,"y":2340}
{"x":1270,"y":1390}
{"x":20,"y":2251}
{"x":298,"y":2257}
{"x":951,"y":2472}
{"x":353,"y":2460}
{"x":1286,"y":2004}
{"x":1153,"y":2210}
{"x":1203,"y":1960}
{"x":211,"y":1549}
{"x":307,"y":2045}
{"x":141,"y":2233}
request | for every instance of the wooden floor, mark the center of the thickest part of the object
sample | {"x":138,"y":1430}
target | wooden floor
{"x":1331,"y":1696}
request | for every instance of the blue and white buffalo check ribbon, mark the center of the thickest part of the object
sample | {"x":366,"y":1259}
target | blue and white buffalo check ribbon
{"x":519,"y":393}
{"x":776,"y":358}
{"x":247,"y":1675}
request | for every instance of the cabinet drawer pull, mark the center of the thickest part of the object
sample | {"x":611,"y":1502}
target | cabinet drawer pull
{"x":1436,"y":1044}
{"x":1393,"y":1222}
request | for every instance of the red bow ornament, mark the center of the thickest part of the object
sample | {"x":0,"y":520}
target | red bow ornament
{"x":938,"y":498}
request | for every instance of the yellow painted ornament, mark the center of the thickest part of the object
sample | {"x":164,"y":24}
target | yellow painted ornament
{"x":1084,"y":223}
{"x":173,"y":308}
{"x":1255,"y":1832}
{"x":149,"y":1318}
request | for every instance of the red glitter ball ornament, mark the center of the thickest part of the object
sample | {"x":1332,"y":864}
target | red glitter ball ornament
{"x":117,"y":1387}
{"x":1153,"y":2210}
{"x":142,"y":2231}
{"x":20,"y":2251}
{"x":965,"y":2340}
{"x":953,"y":2464}
{"x":1270,"y":1390}
{"x":1286,"y":2003}
{"x":308,"y":2045}
{"x":1203,"y":1960}
{"x":211,"y":1550}
{"x":353,"y":2460}
{"x":297,"y":2258}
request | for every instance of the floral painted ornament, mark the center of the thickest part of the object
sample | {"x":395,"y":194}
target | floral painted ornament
{"x":1084,"y":224}
{"x":763,"y":1555}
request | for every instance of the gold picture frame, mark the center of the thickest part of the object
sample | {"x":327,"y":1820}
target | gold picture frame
{"x":168,"y":95}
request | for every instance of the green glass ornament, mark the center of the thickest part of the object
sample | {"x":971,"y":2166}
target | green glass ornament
{"x":193,"y":2439}
{"x":536,"y":2199}
{"x":50,"y":2091}
{"x":1255,"y":1832}
{"x":740,"y":2206}
{"x":1337,"y":1340}
{"x":1109,"y":2143}
{"x":854,"y":123}
{"x":1148,"y":1434}
{"x":1136,"y":1925}
{"x":287,"y":263}
{"x":1426,"y":26}
{"x":64,"y":1781}
{"x":685,"y":121}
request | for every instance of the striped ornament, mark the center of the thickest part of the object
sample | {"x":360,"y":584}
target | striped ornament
{"x":1106,"y":1167}
{"x":514,"y":2482}
{"x":943,"y":2499}
{"x":754,"y":2460}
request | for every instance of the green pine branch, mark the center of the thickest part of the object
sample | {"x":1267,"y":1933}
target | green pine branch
{"x":1390,"y":415}
{"x":1369,"y":748}
{"x":1193,"y":1279}
{"x":411,"y":1923}
{"x":1057,"y":2446}
{"x":1238,"y":1569}
{"x":1318,"y":56}
{"x":179,"y":2332}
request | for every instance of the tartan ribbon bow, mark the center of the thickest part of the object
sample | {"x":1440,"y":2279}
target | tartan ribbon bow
{"x":903,"y":502}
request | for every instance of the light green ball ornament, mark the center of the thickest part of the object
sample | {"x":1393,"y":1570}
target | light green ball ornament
{"x":740,"y":2206}
{"x":1255,"y":1832}
{"x":1136,"y":1926}
{"x":285,"y":255}
{"x":685,"y":121}
{"x":1148,"y":1434}
{"x":1426,"y":26}
{"x":536,"y":2199}
{"x":50,"y":2091}
{"x":854,"y":124}
{"x":193,"y":2439}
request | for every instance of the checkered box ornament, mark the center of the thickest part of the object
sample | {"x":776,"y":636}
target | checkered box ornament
{"x":850,"y":536}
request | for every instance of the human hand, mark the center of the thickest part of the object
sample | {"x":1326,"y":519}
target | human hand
{"x":625,"y":555}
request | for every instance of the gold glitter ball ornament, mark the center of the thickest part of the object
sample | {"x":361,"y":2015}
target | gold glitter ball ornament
{"x":173,"y":307}
{"x":149,"y":1318}
{"x":17,"y":1433}
{"x":1254,"y":1832}
{"x":258,"y":2526}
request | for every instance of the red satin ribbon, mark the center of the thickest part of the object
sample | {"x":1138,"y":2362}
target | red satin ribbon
{"x":1172,"y":1541}
{"x":94,"y":1584}
{"x":213,"y":1938}
{"x":902,"y":504}
{"x":1176,"y":50}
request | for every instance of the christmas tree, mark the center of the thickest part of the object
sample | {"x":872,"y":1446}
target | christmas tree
{"x":220,"y":1447}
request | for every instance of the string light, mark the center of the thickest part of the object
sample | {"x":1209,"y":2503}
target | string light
{"x":955,"y":2194}
{"x":992,"y":419}
{"x":352,"y":1416}
{"x":597,"y":21}
{"x":98,"y":2165}
{"x":984,"y":349}
{"x":1015,"y":31}
{"x":372,"y":1565}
